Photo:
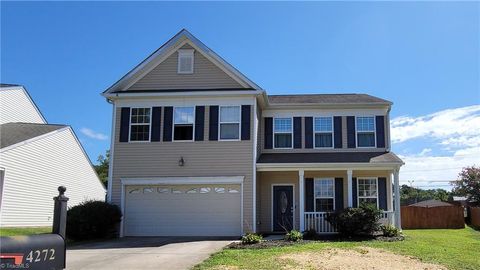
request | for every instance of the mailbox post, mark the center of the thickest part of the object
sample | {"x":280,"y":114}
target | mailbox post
{"x":43,"y":251}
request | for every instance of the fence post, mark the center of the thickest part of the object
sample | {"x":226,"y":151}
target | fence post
{"x":60,"y":213}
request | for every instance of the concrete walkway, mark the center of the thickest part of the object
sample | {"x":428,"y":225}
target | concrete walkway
{"x":143,"y":253}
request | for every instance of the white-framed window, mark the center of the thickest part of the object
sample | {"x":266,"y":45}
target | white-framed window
{"x":185,"y":61}
{"x":323,"y":127}
{"x":365,"y":127}
{"x":282,"y":133}
{"x":324,"y":194}
{"x":183,"y":123}
{"x":229,"y":123}
{"x":140,"y":120}
{"x":367,"y":189}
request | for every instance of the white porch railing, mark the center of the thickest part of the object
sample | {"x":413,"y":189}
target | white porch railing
{"x":317,"y":221}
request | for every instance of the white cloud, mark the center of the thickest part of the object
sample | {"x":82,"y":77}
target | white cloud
{"x":94,"y":135}
{"x":457,"y":127}
{"x":456,"y":130}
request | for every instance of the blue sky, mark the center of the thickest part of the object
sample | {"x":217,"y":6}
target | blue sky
{"x":422,"y":56}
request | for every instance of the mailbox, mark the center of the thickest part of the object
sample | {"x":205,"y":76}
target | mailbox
{"x":43,"y":251}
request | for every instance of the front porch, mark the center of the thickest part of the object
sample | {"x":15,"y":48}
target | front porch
{"x":317,"y":190}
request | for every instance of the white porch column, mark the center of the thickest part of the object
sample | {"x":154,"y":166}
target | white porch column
{"x":350,"y":190}
{"x":398,"y":221}
{"x":301,"y":191}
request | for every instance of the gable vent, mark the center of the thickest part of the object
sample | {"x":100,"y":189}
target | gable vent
{"x":185,"y":61}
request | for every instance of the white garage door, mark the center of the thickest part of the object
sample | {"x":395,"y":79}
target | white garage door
{"x":183,"y":210}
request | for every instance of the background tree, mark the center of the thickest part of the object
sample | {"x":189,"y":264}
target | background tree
{"x":102,"y":167}
{"x":468,"y":184}
{"x":410,"y":195}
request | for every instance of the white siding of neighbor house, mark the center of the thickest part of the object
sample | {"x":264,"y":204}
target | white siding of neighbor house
{"x":34,"y":171}
{"x":16,"y":106}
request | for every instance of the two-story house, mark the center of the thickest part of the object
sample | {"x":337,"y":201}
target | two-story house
{"x":199,"y":149}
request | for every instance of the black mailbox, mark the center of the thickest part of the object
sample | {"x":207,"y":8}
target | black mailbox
{"x":43,"y":251}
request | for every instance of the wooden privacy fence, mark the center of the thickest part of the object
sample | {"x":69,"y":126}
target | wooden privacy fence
{"x":441,"y":217}
{"x":475,"y":216}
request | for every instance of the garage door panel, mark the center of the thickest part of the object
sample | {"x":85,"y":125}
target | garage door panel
{"x":193,"y":210}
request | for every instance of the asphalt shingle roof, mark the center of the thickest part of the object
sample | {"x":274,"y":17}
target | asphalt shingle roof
{"x":12,"y":133}
{"x":326,"y":99}
{"x":333,"y":157}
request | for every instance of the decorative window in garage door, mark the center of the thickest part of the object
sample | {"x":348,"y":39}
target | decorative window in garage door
{"x":163,"y":190}
{"x":219,"y":190}
{"x":148,"y":190}
{"x":192,"y":190}
{"x":134,"y":191}
{"x":205,"y":190}
{"x":233,"y":190}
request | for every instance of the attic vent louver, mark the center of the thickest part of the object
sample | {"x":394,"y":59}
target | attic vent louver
{"x":185,"y":61}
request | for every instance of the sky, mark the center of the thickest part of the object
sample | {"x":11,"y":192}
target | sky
{"x":423,"y":56}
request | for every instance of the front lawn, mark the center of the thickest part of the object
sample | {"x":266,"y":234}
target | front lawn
{"x":24,"y":231}
{"x":455,"y":249}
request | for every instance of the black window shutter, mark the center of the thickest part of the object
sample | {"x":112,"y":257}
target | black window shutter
{"x":337,"y":131}
{"x":380,"y":129}
{"x":246,"y":112}
{"x":199,"y":122}
{"x":309,"y":207}
{"x":297,"y":132}
{"x":124,"y":124}
{"x":354,"y":192}
{"x":382,"y":193}
{"x":167,"y":124}
{"x":308,"y":132}
{"x":268,"y":132}
{"x":213,"y":124}
{"x":338,"y":193}
{"x":351,"y":132}
{"x":156,"y":122}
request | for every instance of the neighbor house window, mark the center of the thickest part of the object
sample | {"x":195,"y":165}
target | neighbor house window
{"x":229,"y":122}
{"x":365,"y":131}
{"x":282,"y":133}
{"x":140,"y":124}
{"x":324,"y":195}
{"x":367,"y":191}
{"x":185,"y":61}
{"x":183,"y":123}
{"x":323,"y":132}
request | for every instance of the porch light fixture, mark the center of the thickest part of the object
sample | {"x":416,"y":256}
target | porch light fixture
{"x":181,"y":162}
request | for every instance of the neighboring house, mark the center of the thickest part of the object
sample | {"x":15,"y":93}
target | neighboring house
{"x":199,"y":149}
{"x":36,"y":158}
{"x":431,"y":203}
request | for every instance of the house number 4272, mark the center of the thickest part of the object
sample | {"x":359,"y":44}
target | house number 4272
{"x":41,"y":255}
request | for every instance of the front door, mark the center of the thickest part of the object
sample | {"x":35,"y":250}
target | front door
{"x":282,"y":208}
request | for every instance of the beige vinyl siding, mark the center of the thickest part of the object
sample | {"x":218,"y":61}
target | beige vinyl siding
{"x":206,"y":75}
{"x":313,"y":150}
{"x":202,"y":158}
{"x":16,"y":106}
{"x":34,"y":171}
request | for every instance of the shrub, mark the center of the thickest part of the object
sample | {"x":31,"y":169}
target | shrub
{"x":294,"y":236}
{"x":251,"y":238}
{"x":356,"y":221}
{"x":390,"y":231}
{"x":92,"y":220}
{"x":310,"y":234}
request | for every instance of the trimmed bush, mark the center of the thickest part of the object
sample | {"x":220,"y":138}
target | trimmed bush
{"x":356,"y":221}
{"x":389,"y":231}
{"x":251,"y":238}
{"x":92,"y":220}
{"x":294,"y":236}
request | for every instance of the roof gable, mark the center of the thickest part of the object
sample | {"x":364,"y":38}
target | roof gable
{"x":18,"y":106}
{"x":162,"y":54}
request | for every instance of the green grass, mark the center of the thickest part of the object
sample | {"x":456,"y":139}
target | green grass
{"x":455,"y":249}
{"x":24,"y":231}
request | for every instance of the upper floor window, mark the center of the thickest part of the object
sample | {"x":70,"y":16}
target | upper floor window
{"x":140,"y":124}
{"x":282,"y":129}
{"x":323,"y":132}
{"x":367,"y":190}
{"x":229,"y":122}
{"x":365,"y":131}
{"x":185,"y":61}
{"x":324,"y":195}
{"x":183,"y":123}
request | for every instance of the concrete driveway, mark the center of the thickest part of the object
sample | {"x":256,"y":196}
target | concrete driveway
{"x":143,"y":253}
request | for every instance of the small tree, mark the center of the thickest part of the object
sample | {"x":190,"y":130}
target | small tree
{"x":468,"y":184}
{"x":102,"y":167}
